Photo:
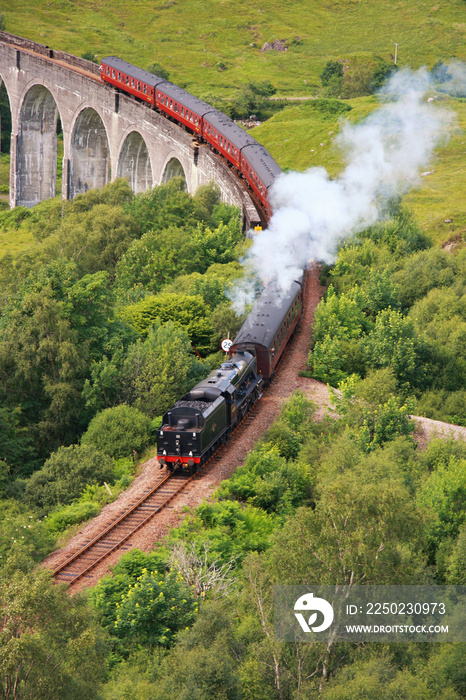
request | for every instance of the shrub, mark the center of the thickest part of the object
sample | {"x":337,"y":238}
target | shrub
{"x":157,"y":69}
{"x":75,"y":513}
{"x":65,"y":474}
{"x":329,"y":108}
{"x":332,"y":75}
{"x":118,"y":431}
{"x":89,"y":56}
{"x":253,"y":99}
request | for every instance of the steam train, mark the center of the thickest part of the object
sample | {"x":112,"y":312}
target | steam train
{"x":248,"y":158}
{"x":202,"y":420}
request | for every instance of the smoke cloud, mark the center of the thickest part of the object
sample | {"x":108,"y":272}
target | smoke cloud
{"x":384,"y":155}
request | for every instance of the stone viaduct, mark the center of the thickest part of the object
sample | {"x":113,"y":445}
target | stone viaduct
{"x":106,"y":134}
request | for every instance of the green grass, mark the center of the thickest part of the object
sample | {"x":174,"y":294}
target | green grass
{"x":15,"y":239}
{"x":4,"y":175}
{"x":442,"y":194}
{"x":299,"y":138}
{"x":192,"y":37}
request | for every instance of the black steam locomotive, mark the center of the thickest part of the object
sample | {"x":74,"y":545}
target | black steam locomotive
{"x":202,"y":420}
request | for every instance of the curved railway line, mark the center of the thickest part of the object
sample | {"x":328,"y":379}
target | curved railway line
{"x":148,"y":517}
{"x":117,"y":533}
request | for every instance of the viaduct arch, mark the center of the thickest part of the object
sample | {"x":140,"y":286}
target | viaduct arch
{"x":106,"y":134}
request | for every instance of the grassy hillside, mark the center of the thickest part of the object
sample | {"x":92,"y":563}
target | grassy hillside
{"x":216,"y":44}
{"x":300,"y":137}
{"x":213,"y":48}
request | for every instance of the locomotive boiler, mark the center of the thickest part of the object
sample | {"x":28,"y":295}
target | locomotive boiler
{"x":202,"y":420}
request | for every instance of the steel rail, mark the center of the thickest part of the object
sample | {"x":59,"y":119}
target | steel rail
{"x":119,"y":521}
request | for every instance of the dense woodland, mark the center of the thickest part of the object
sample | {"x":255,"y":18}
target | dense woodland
{"x":117,"y":308}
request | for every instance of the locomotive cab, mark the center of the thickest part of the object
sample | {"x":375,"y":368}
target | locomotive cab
{"x":202,"y":420}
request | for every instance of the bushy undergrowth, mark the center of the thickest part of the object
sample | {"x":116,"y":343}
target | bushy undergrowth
{"x":394,"y":301}
{"x":312,"y":503}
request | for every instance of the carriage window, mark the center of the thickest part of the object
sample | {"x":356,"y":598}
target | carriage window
{"x":175,"y":107}
{"x":113,"y":73}
{"x":127,"y":80}
{"x":196,"y":119}
{"x":144,"y":87}
{"x":139,"y":87}
{"x":191,"y":117}
{"x":171,"y":104}
{"x":132,"y":82}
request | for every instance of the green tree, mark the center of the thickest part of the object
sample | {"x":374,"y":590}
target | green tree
{"x":445,"y":668}
{"x":118,"y":432}
{"x":398,"y":231}
{"x":364,"y":529}
{"x":43,"y":367}
{"x":166,"y":206}
{"x":380,"y":293}
{"x":203,"y":664}
{"x":15,"y":445}
{"x":379,"y":679}
{"x":339,"y":324}
{"x":456,"y":574}
{"x":65,"y":474}
{"x":394,"y":343}
{"x":165,"y":253}
{"x":150,"y":375}
{"x":51,"y":330}
{"x":157,"y":259}
{"x":268,"y":482}
{"x":339,"y":316}
{"x":332,"y":78}
{"x":153,"y":609}
{"x":160,"y":369}
{"x":424,"y":271}
{"x":444,"y":492}
{"x":253,"y":98}
{"x":440,"y":320}
{"x":22,"y":533}
{"x":95,"y":239}
{"x":89,"y":56}
{"x":48,"y":216}
{"x":49,"y":645}
{"x":373,"y":409}
{"x":187,"y":312}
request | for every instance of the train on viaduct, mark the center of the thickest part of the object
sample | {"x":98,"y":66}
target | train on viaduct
{"x":106,"y":134}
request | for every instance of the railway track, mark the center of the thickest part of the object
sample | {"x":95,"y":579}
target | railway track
{"x":77,"y":568}
{"x":116,"y":535}
{"x":120,"y":530}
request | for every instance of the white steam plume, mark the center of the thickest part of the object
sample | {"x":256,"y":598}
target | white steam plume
{"x":384,"y":156}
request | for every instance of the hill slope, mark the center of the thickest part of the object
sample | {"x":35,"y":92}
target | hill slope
{"x":216,"y":44}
